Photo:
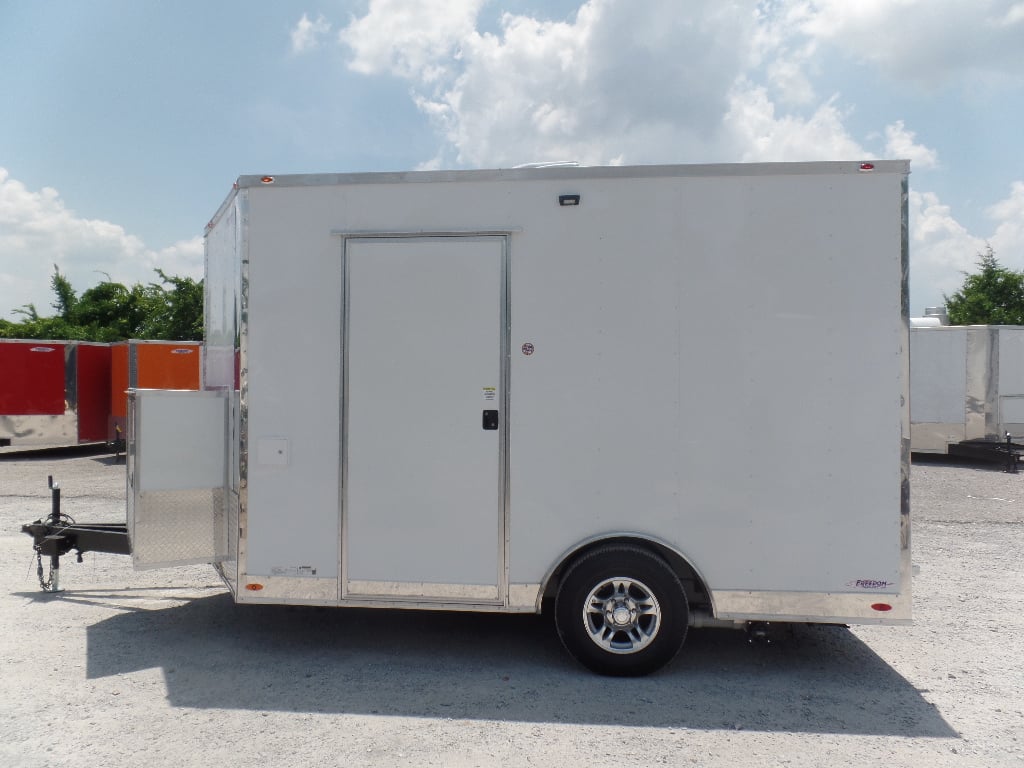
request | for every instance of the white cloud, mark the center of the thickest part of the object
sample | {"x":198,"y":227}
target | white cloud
{"x":720,"y":82}
{"x":899,"y":143}
{"x":783,"y":52}
{"x":928,"y":41}
{"x":788,"y":79}
{"x":1008,"y":239}
{"x":1014,"y":16}
{"x":38,"y":231}
{"x":941,"y":250}
{"x":614,"y":85}
{"x":417,"y":41}
{"x":760,"y":136}
{"x":608,"y":83}
{"x":184,"y":258}
{"x":307,"y":34}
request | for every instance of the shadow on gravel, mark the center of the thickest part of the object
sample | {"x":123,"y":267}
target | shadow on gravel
{"x":16,"y":453}
{"x":959,"y":462}
{"x":215,"y":654}
{"x":110,"y":460}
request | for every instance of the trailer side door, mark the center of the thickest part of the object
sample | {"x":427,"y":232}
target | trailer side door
{"x":424,"y":415}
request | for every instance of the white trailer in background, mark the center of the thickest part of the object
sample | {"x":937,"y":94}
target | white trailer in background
{"x":634,"y":390}
{"x":966,"y":388}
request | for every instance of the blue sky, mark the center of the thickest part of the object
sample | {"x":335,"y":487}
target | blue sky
{"x":123,"y":124}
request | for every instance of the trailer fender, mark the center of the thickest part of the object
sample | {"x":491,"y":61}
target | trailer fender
{"x":698,"y":595}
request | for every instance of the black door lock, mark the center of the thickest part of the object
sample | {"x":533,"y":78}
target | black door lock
{"x":490,"y":420}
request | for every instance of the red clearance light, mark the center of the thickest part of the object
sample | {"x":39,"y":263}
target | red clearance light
{"x":867,"y":166}
{"x":881,"y":607}
{"x":267,"y":180}
{"x":254,"y":587}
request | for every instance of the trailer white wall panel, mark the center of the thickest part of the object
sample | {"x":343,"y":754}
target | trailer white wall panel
{"x":938,"y":382}
{"x":689,"y":416}
{"x":221,"y":296}
{"x":1011,"y":380}
{"x":292,"y":353}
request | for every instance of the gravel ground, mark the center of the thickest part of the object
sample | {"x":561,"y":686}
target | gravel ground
{"x":159,"y":668}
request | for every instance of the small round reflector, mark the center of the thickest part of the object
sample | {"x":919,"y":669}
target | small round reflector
{"x":881,"y":607}
{"x":254,"y":587}
{"x":267,"y":180}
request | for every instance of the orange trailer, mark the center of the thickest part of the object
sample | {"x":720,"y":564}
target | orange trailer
{"x":138,"y":364}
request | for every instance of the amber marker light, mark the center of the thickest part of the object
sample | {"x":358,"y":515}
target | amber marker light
{"x":267,"y":180}
{"x":254,"y":587}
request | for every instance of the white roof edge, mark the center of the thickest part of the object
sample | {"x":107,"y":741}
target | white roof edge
{"x":565,"y":171}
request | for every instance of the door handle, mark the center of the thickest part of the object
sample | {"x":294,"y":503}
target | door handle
{"x":490,"y":420}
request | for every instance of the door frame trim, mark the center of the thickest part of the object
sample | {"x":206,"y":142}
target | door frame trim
{"x":430,"y":593}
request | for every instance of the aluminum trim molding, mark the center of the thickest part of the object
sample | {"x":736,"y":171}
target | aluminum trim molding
{"x":525,"y":597}
{"x":906,"y":566}
{"x":817,"y":168}
{"x":287,"y":589}
{"x":343,"y":424}
{"x":828,"y":607}
{"x":386,"y":590}
{"x":242,"y":223}
{"x":376,"y":234}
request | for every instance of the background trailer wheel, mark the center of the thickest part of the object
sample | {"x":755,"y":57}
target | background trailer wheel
{"x":621,"y":610}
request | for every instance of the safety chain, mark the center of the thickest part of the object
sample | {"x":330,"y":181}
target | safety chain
{"x":48,"y":584}
{"x":64,"y":521}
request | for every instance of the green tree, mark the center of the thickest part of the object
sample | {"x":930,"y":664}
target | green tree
{"x":175,"y":314}
{"x":65,"y":303}
{"x":35,"y":327}
{"x":992,"y":296}
{"x":108,"y":311}
{"x":171,"y":310}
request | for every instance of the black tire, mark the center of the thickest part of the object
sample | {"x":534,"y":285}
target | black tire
{"x":622,"y":611}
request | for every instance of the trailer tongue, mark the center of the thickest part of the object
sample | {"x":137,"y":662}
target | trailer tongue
{"x":58,"y":534}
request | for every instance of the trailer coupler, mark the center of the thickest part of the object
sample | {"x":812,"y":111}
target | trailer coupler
{"x":58,"y":534}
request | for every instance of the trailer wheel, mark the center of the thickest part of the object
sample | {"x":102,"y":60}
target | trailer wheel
{"x":621,"y":610}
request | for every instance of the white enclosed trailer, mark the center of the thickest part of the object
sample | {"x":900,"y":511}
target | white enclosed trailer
{"x":966,"y":387}
{"x":634,"y":390}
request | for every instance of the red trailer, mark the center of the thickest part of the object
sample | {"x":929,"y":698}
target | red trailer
{"x":53,"y":392}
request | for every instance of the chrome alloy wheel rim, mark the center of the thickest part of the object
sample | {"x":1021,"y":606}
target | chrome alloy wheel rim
{"x":622,"y":615}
